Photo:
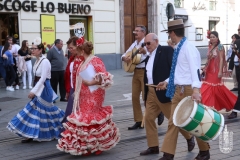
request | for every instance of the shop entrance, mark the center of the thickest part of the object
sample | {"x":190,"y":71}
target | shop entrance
{"x":8,"y":27}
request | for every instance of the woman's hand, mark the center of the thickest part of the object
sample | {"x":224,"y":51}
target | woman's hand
{"x":31,"y":95}
{"x":90,"y":83}
{"x":219,"y":74}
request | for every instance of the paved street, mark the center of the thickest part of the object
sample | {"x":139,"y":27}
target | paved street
{"x":132,"y":142}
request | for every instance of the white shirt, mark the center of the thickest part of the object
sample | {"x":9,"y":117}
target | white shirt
{"x":188,"y":64}
{"x":149,"y":67}
{"x":137,"y":46}
{"x":15,"y":48}
{"x":71,"y":70}
{"x":43,"y":71}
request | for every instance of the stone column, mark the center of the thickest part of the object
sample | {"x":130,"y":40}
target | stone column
{"x":121,"y":5}
{"x":152,"y":16}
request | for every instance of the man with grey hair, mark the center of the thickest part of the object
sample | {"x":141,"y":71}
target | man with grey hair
{"x":137,"y":80}
{"x":56,"y":57}
{"x":158,"y":66}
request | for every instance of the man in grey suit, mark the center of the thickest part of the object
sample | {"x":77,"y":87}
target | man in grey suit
{"x":56,"y":57}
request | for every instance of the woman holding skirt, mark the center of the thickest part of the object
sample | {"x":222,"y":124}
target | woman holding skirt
{"x":40,"y":119}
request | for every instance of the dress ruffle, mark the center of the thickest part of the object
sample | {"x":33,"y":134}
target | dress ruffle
{"x":37,"y":121}
{"x":94,"y":134}
{"x":218,"y":96}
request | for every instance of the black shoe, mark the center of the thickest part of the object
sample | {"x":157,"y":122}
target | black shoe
{"x":137,"y":125}
{"x":27,"y":140}
{"x":232,"y":115}
{"x":234,"y":89}
{"x":191,"y":144}
{"x":203,"y":155}
{"x":54,"y":101}
{"x":63,"y":100}
{"x":167,"y":156}
{"x":160,"y":118}
{"x":150,"y":150}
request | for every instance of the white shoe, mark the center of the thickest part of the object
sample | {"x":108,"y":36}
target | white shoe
{"x":11,"y":89}
{"x":17,"y":87}
{"x":24,"y":87}
{"x":30,"y":87}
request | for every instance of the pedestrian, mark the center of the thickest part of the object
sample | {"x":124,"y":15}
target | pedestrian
{"x":158,"y":67}
{"x":68,"y":77}
{"x":90,"y":127}
{"x":14,"y":50}
{"x":2,"y":69}
{"x":56,"y":57}
{"x":40,"y":120}
{"x":184,"y":80}
{"x":236,"y":51}
{"x":214,"y":93}
{"x":25,"y":53}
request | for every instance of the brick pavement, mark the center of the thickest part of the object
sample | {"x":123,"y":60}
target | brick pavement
{"x":132,"y":142}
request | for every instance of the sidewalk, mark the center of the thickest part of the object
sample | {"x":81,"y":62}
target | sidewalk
{"x":132,"y":142}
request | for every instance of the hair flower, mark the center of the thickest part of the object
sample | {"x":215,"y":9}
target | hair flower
{"x":37,"y":41}
{"x":80,"y":41}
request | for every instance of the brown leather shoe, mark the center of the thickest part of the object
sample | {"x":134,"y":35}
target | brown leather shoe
{"x":232,"y":115}
{"x":150,"y":150}
{"x":203,"y":155}
{"x":191,"y":144}
{"x":167,"y":156}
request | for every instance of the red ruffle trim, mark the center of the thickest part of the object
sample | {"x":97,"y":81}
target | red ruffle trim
{"x":78,"y":140}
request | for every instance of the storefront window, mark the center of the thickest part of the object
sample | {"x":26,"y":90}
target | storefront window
{"x":79,"y":26}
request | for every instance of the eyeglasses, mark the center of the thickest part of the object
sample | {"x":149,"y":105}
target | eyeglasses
{"x":33,"y":48}
{"x":147,"y":43}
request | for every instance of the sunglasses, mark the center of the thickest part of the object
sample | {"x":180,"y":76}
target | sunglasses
{"x":147,"y":43}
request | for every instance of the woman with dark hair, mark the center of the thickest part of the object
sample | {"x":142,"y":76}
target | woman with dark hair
{"x":90,"y":128}
{"x":25,"y":53}
{"x":236,"y":51}
{"x":74,"y":60}
{"x":8,"y":65}
{"x":40,"y":119}
{"x":214,"y":93}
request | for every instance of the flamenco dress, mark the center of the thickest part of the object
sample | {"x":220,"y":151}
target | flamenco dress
{"x":90,"y":128}
{"x":214,"y":93}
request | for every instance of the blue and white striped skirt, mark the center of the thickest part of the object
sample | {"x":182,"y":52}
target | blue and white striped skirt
{"x":39,"y":119}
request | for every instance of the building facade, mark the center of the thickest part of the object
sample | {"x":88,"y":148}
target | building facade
{"x":96,"y":20}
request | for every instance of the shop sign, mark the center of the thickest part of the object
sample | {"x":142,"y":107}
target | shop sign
{"x":31,"y":6}
{"x":48,"y":28}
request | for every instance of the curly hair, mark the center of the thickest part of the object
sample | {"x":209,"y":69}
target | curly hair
{"x":87,"y":47}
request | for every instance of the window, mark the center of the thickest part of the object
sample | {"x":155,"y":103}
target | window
{"x":212,"y":5}
{"x":199,"y":34}
{"x":81,"y":29}
{"x":178,"y":3}
{"x":212,"y":25}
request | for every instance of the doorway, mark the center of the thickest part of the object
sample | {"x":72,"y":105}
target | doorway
{"x":9,"y":27}
{"x":135,"y":13}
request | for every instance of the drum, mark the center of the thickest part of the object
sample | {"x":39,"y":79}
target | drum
{"x":198,"y":119}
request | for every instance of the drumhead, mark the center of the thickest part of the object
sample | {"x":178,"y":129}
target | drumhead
{"x":185,"y":109}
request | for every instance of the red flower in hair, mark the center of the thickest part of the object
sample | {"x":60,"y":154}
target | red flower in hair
{"x":208,"y":34}
{"x":80,"y":41}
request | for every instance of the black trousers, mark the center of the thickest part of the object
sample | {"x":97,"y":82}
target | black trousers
{"x":57,"y":78}
{"x":16,"y":70}
{"x":237,"y":104}
{"x":10,"y":75}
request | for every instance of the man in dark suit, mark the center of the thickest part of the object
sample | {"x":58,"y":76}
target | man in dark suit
{"x":158,"y":66}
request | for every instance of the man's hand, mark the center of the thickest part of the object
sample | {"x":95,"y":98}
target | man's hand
{"x":126,"y":59}
{"x":31,"y":95}
{"x":142,"y":50}
{"x":196,"y":95}
{"x":161,"y":86}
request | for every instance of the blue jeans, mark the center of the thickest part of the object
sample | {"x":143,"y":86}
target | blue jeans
{"x":2,"y":71}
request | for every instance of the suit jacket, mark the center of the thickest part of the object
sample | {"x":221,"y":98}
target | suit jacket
{"x":231,"y":62}
{"x":161,"y":71}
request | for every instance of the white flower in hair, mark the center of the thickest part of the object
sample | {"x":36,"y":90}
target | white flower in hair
{"x":37,"y":41}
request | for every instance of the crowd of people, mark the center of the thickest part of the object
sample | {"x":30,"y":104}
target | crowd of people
{"x":165,"y":76}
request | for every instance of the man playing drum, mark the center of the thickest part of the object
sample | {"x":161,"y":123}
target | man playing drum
{"x":158,"y":66}
{"x":184,"y":80}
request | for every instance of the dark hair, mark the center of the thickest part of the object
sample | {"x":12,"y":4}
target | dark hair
{"x":9,"y":37}
{"x":143,"y":28}
{"x":87,"y":47}
{"x":14,"y":40}
{"x":236,"y":36}
{"x":179,"y":32}
{"x":215,"y":33}
{"x":57,"y":41}
{"x":24,"y":45}
{"x":6,"y":47}
{"x":41,"y":46}
{"x":72,"y":40}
